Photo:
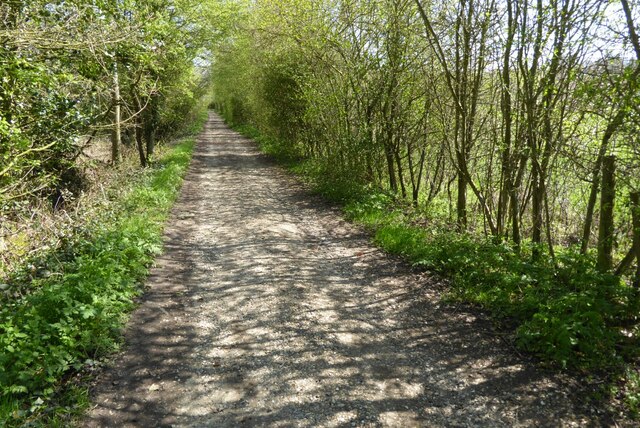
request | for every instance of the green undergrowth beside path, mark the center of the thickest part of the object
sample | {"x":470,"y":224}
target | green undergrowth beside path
{"x":66,"y":307}
{"x":565,"y":311}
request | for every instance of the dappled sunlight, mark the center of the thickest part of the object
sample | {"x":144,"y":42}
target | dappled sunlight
{"x":267,"y":309}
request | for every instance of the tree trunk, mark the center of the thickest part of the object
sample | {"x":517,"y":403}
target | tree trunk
{"x":537,"y":200}
{"x":607,"y":200}
{"x":150,"y":125}
{"x":388,"y":152}
{"x":403,"y":188}
{"x":595,"y":179}
{"x":140,"y":145}
{"x":436,"y":180}
{"x":506,"y":173}
{"x":515,"y":217}
{"x":138,"y":129}
{"x":614,"y":124}
{"x":547,"y":215}
{"x":635,"y":214}
{"x":416,"y":183}
{"x":150,"y":140}
{"x":461,"y":206}
{"x":116,"y":136}
{"x":591,"y":205}
{"x":626,"y":261}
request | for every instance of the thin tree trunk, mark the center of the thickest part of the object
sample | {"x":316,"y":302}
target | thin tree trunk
{"x":140,"y":145}
{"x":150,"y":135}
{"x":435,"y":184}
{"x":595,"y":179}
{"x":591,"y":204}
{"x":506,"y":175}
{"x":150,"y":125}
{"x":391,"y":170}
{"x":515,"y":217}
{"x":612,"y":127}
{"x":138,"y":129}
{"x":418,"y":181}
{"x":552,"y":252}
{"x":412,"y":175}
{"x":607,"y":200}
{"x":116,"y":135}
{"x":514,"y":201}
{"x":635,"y":214}
{"x":461,"y":205}
{"x":626,"y":261}
{"x":403,"y":188}
{"x":537,"y":199}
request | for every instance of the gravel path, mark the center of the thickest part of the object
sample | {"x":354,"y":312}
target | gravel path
{"x":268,"y":309}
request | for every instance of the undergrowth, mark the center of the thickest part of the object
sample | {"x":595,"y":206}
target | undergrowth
{"x":568,"y":312}
{"x":564,"y":311}
{"x":64,"y":308}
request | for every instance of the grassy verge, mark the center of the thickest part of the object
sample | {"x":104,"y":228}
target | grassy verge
{"x":64,"y":310}
{"x":568,"y":313}
{"x":564,"y":311}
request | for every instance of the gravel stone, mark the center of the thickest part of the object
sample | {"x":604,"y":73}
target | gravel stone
{"x":268,"y":309}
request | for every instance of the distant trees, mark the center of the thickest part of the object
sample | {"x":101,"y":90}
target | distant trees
{"x":496,"y":115}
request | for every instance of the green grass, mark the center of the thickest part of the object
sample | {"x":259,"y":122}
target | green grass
{"x":73,"y":315}
{"x":569,"y":314}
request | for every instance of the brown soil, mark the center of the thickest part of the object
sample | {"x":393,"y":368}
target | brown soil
{"x":268,"y":309}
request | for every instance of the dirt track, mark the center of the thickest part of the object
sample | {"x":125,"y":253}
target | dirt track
{"x":267,"y":309}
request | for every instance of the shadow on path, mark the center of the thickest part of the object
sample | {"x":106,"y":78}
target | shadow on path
{"x":267,"y":309}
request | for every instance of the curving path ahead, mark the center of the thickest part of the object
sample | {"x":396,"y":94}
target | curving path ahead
{"x":267,"y":309}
